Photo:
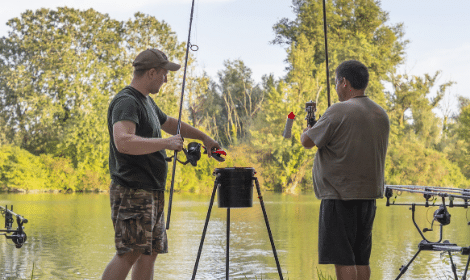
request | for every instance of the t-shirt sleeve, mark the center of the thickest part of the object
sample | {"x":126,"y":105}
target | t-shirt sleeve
{"x":125,"y":109}
{"x":322,"y":132}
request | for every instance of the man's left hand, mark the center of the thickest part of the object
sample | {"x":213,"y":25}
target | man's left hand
{"x":210,"y":145}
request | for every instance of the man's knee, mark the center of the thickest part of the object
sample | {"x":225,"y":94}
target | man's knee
{"x":148,"y":258}
{"x":130,"y":257}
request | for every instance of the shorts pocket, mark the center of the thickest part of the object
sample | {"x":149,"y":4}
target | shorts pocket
{"x":127,"y":216}
{"x":129,"y":228}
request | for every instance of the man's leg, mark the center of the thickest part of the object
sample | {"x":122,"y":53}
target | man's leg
{"x":346,"y":272}
{"x":363,"y":272}
{"x":120,"y":265}
{"x":143,"y":268}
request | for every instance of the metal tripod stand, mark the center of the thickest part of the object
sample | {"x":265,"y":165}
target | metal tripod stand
{"x":216,"y":184}
{"x":426,"y":245}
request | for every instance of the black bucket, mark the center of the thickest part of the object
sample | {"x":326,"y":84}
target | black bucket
{"x":235,"y":186}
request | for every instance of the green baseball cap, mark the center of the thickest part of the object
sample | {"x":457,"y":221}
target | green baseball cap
{"x":153,"y":58}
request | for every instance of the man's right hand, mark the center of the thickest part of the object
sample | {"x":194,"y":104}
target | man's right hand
{"x":175,"y":143}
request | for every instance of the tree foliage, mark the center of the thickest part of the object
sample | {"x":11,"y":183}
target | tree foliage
{"x":357,"y":29}
{"x":60,"y":68}
{"x":231,"y":104}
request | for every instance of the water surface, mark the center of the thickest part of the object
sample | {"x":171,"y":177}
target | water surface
{"x":70,"y":236}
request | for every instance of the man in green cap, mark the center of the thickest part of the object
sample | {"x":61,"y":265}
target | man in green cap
{"x":138,"y":167}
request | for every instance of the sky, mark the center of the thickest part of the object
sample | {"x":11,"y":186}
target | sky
{"x":438,"y":32}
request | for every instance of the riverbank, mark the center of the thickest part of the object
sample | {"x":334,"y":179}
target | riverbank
{"x":25,"y":191}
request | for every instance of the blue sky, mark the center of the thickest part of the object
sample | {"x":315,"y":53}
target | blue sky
{"x":242,"y":29}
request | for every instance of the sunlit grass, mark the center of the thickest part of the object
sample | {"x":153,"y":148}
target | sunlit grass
{"x":32,"y":272}
{"x":323,"y":277}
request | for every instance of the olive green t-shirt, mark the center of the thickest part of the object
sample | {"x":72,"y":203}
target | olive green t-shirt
{"x":147,"y":171}
{"x":352,"y":140}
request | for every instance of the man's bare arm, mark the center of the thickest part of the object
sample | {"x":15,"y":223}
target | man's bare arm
{"x":128,"y":143}
{"x":306,"y":141}
{"x":187,"y":131}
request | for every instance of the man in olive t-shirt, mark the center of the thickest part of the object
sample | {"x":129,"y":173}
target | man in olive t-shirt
{"x":348,"y":172}
{"x":138,"y":168}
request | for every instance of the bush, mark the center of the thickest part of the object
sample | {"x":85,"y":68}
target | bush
{"x":19,"y":169}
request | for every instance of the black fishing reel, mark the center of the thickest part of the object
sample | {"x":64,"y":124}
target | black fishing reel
{"x":193,"y":154}
{"x":441,"y":215}
{"x":311,"y":108}
{"x":19,"y":237}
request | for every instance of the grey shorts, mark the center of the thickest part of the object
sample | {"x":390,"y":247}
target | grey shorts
{"x":138,"y":220}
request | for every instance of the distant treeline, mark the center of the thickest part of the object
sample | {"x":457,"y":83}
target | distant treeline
{"x":60,"y":69}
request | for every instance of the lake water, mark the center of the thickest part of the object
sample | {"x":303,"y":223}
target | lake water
{"x":70,"y":236}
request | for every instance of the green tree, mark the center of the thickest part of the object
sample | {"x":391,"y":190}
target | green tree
{"x":231,"y":104}
{"x":357,"y":29}
{"x":54,"y":63}
{"x":458,"y":148}
{"x":286,"y":160}
{"x":60,"y":68}
{"x":413,"y":95}
{"x":410,"y":162}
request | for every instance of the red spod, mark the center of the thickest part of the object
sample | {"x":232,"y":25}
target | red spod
{"x":291,"y":116}
{"x":220,"y":152}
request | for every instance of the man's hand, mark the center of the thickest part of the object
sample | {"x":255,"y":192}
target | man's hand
{"x":175,"y":143}
{"x":210,"y":144}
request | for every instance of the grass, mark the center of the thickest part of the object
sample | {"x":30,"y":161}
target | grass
{"x":32,"y":272}
{"x":323,"y":277}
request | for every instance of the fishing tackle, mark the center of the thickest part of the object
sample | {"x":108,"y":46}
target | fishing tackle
{"x":188,"y":46}
{"x":193,"y":154}
{"x":326,"y":54}
{"x":311,"y":107}
{"x":18,"y":236}
{"x":441,"y":215}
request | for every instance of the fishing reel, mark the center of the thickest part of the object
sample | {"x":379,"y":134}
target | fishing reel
{"x":19,"y":237}
{"x":441,"y":215}
{"x":193,"y":154}
{"x":311,"y":108}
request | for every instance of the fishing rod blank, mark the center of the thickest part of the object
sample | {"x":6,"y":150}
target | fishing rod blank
{"x":188,"y":45}
{"x":326,"y":55}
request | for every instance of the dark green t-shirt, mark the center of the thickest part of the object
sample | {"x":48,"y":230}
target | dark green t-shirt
{"x":147,"y":171}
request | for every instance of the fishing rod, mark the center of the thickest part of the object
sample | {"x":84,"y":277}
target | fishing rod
{"x":429,"y":193}
{"x":326,"y":54}
{"x":311,"y":106}
{"x":194,"y":48}
{"x":193,"y":153}
{"x":18,"y":236}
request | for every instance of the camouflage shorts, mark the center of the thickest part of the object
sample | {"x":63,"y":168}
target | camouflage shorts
{"x":138,"y":220}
